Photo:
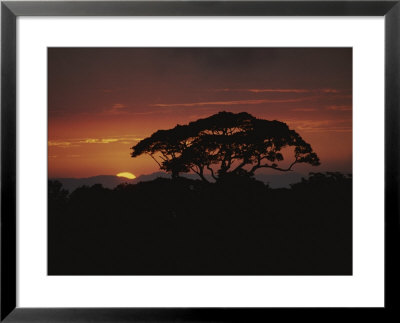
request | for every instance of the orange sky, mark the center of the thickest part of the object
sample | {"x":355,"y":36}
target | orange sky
{"x":101,"y":101}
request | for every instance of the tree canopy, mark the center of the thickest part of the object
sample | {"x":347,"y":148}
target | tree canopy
{"x":225,"y":144}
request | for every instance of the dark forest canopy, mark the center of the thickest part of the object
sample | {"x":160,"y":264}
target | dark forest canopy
{"x":226,"y":144}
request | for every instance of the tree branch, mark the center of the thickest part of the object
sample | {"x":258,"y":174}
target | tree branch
{"x":151,"y":155}
{"x":165,"y":156}
{"x":200,"y":173}
{"x":274,"y":167}
{"x":243,"y":163}
{"x":195,"y":171}
{"x":212,"y":172}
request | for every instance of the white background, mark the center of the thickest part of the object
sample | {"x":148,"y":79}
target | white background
{"x":364,"y":288}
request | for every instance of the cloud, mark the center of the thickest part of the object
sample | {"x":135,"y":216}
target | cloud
{"x":304,"y":109}
{"x":117,"y":106}
{"x":321,"y":125}
{"x":340,"y":108}
{"x":329,"y":91}
{"x":280,"y":90}
{"x":61,"y":144}
{"x":78,"y":142}
{"x":235,"y":102}
{"x":99,"y":140}
{"x":311,"y":94}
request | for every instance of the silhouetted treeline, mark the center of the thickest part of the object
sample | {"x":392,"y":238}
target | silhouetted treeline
{"x":238,"y":226}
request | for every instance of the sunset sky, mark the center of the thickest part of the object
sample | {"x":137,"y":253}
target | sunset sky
{"x":102,"y":101}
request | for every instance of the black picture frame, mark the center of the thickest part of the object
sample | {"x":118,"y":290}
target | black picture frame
{"x":10,"y":10}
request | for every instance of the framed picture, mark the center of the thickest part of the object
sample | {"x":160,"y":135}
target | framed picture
{"x":198,"y":161}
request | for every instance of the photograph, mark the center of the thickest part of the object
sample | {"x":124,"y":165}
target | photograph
{"x":200,"y":161}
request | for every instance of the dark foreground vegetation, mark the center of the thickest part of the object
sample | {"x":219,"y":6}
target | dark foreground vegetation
{"x":237,"y":226}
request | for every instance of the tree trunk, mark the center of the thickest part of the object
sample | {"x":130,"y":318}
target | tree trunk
{"x":203,"y":178}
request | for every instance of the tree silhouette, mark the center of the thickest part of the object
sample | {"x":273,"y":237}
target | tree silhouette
{"x":56,"y":191}
{"x":226,"y":144}
{"x":328,"y":180}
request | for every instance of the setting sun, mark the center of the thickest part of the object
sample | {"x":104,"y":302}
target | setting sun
{"x":126,"y":175}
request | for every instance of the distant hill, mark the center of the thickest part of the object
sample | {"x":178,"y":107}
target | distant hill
{"x":280,"y":180}
{"x":111,"y":181}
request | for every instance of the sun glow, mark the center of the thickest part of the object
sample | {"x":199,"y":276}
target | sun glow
{"x":126,"y":175}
